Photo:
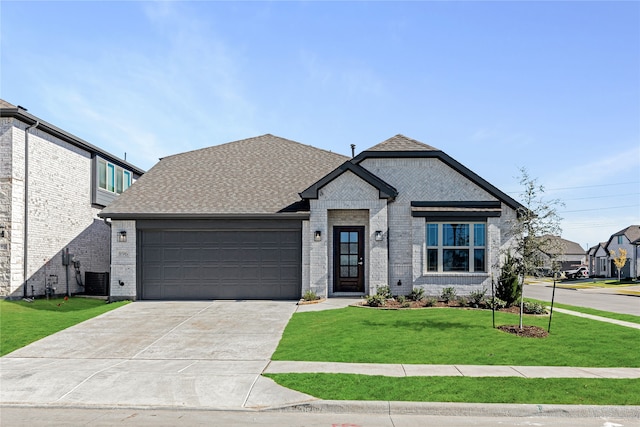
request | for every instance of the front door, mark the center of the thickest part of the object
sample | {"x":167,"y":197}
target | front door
{"x":348,"y":259}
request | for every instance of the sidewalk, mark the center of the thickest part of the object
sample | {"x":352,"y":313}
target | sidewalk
{"x":409,"y":370}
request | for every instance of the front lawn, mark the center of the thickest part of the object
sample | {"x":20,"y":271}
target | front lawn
{"x":569,"y":391}
{"x":453,"y":336}
{"x":22,"y":322}
{"x":618,"y":316}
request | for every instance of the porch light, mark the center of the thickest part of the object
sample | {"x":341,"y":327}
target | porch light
{"x":378,"y":235}
{"x":122,"y":236}
{"x":317,"y":236}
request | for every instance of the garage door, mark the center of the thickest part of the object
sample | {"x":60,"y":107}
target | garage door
{"x":220,"y":264}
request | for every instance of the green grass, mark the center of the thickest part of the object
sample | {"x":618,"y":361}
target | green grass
{"x":22,"y":323}
{"x":593,"y":311}
{"x":465,"y":389}
{"x":453,"y":336}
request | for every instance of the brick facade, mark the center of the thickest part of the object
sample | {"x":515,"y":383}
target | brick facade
{"x":60,"y":214}
{"x":399,"y":259}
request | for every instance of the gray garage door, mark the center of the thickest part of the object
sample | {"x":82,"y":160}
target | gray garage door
{"x":220,"y":264}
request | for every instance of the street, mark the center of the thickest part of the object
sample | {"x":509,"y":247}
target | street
{"x":40,"y":416}
{"x":600,"y":299}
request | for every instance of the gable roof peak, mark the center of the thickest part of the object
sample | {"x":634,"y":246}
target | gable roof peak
{"x":400,"y":142}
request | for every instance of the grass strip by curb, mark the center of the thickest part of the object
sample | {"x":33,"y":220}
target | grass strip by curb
{"x":571,"y":391}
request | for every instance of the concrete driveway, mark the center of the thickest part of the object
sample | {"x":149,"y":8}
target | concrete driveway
{"x":177,"y":354}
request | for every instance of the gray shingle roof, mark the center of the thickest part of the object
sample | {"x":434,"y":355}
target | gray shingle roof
{"x":260,"y":175}
{"x":401,"y":143}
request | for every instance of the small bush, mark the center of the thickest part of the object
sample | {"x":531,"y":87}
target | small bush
{"x":534,"y":308}
{"x":508,"y":288}
{"x":417,"y":294}
{"x":406,"y":304}
{"x":477,"y":297}
{"x":401,"y":299}
{"x":385,"y":292}
{"x":463,"y":301}
{"x":430,"y":302}
{"x":376,"y":300}
{"x":448,"y":294}
{"x":310,"y":296}
{"x":496,"y":303}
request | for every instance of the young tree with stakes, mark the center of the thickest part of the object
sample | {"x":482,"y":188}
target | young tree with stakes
{"x":534,"y":230}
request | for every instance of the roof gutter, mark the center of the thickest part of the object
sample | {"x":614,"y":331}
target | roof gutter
{"x":25,"y":241}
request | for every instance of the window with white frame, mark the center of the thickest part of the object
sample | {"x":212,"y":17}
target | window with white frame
{"x":113,"y":178}
{"x":456,"y":247}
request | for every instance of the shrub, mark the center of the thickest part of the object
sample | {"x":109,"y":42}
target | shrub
{"x":508,"y":288}
{"x":476,"y":297}
{"x":385,"y":292}
{"x":430,"y":302}
{"x":534,"y":308}
{"x":406,"y":304}
{"x":496,"y":303}
{"x":401,"y":299}
{"x":310,"y":296}
{"x":376,"y":300}
{"x":417,"y":294}
{"x":448,"y":294}
{"x":463,"y":301}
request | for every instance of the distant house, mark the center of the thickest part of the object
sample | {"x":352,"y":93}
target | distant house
{"x":567,"y":254}
{"x":599,"y":260}
{"x":626,"y":239}
{"x":270,"y":218}
{"x":64,"y":182}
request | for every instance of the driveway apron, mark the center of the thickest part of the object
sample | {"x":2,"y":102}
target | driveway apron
{"x":162,"y":354}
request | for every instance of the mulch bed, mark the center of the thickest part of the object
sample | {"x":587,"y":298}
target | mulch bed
{"x":526,"y":331}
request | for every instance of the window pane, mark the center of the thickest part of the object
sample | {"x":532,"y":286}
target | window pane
{"x":127,"y":180}
{"x":432,"y":260}
{"x":353,"y":271}
{"x":344,"y":236}
{"x":353,"y":236}
{"x":110,"y":177}
{"x":353,"y":259}
{"x":119,"y":176}
{"x":478,"y":234}
{"x":344,"y":271}
{"x":455,"y":260}
{"x":344,"y":248}
{"x":344,"y":260}
{"x":432,"y":234}
{"x":102,"y":174}
{"x":478,"y":260}
{"x":455,"y":234}
{"x":353,"y":248}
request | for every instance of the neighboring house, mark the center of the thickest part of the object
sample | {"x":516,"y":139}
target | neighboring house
{"x":599,"y":260}
{"x":623,"y":239}
{"x":270,"y":218}
{"x":66,"y":181}
{"x":565,"y":253}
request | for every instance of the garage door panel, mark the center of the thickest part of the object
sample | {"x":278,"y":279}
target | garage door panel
{"x":220,"y":264}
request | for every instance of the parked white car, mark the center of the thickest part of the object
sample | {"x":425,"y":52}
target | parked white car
{"x":578,"y":273}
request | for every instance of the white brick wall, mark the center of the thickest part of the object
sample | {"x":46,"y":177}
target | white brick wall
{"x":60,"y":212}
{"x":123,"y":261}
{"x":347,"y":200}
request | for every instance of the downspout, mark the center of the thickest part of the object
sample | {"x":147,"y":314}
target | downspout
{"x":26,"y":205}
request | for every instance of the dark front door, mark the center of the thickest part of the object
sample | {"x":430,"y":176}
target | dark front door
{"x":348,"y":259}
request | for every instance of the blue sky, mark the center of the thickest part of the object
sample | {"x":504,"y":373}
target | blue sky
{"x":550,"y":86}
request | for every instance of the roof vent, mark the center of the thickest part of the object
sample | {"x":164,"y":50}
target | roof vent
{"x":353,"y":150}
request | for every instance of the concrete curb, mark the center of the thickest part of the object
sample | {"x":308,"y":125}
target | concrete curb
{"x":462,"y":409}
{"x":444,"y":409}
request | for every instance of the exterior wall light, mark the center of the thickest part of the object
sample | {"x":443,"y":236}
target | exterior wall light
{"x":378,"y":235}
{"x":317,"y":235}
{"x":122,"y":236}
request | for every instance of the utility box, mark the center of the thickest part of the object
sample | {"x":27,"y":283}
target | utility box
{"x":96,"y":284}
